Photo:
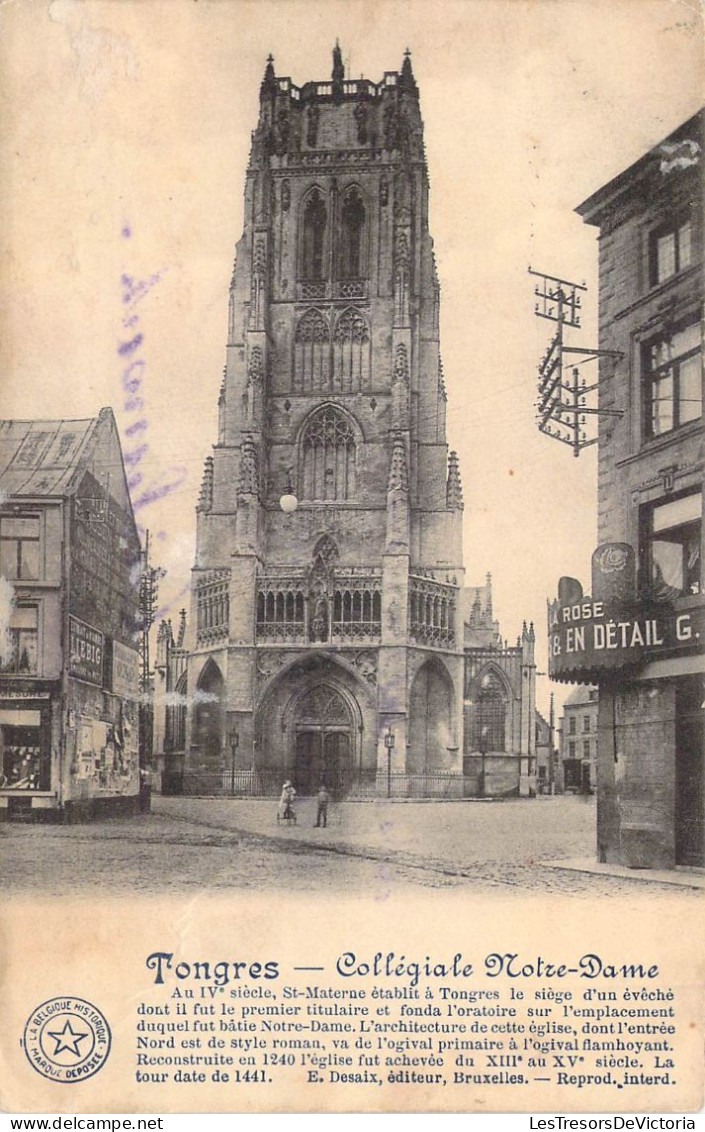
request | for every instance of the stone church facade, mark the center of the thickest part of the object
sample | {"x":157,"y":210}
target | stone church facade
{"x":326,"y":635}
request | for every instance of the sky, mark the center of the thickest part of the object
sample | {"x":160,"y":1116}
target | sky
{"x":126,"y":135}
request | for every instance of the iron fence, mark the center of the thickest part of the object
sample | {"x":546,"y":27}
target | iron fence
{"x":268,"y":783}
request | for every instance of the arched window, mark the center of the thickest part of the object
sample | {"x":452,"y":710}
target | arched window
{"x":490,"y":714}
{"x":327,"y":457}
{"x":352,"y":228}
{"x":312,"y":353}
{"x":351,"y":352}
{"x":314,"y":237}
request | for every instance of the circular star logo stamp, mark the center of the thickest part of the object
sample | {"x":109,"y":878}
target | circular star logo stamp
{"x":67,"y":1039}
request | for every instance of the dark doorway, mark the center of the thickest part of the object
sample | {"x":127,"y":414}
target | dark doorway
{"x":323,"y":744}
{"x":690,"y":780}
{"x":207,"y":736}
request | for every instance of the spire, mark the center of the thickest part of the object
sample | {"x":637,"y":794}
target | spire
{"x":205,"y":501}
{"x":407,"y":82}
{"x":269,"y":82}
{"x":338,"y":74}
{"x":488,"y":603}
{"x":398,"y":478}
{"x":248,"y":479}
{"x":182,"y":629}
{"x":454,"y":488}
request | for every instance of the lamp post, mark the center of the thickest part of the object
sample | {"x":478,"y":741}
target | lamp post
{"x":483,"y":752}
{"x":234,"y":744}
{"x":389,"y":744}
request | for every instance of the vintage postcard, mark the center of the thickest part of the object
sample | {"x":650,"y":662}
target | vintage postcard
{"x":351,"y":616}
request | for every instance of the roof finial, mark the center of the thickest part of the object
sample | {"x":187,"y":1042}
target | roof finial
{"x":407,"y":83}
{"x":338,"y":75}
{"x":269,"y":81}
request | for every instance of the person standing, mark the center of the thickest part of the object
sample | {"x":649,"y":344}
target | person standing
{"x":323,"y":798}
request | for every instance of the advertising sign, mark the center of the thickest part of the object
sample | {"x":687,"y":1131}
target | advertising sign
{"x":588,"y":636}
{"x":125,"y":680}
{"x":85,"y":652}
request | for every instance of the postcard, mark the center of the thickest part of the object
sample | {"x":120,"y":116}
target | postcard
{"x":351,"y":472}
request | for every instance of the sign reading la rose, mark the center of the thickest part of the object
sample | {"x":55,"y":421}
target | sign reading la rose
{"x":612,"y":630}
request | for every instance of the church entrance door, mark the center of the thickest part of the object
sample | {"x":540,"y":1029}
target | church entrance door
{"x":323,"y":743}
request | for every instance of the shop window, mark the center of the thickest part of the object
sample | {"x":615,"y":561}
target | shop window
{"x":670,"y":546}
{"x":22,"y":766}
{"x":19,"y":547}
{"x":673,"y":380}
{"x":314,"y":237}
{"x":670,"y":250}
{"x":19,"y":657}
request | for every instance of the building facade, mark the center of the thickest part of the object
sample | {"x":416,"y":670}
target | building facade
{"x":639,"y":636}
{"x":69,"y":660}
{"x":577,"y":772}
{"x":326,"y":633}
{"x":499,"y":753}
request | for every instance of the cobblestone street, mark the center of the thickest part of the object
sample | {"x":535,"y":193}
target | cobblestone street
{"x":376,"y":847}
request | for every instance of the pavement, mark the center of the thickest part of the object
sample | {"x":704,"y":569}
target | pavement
{"x":545,"y":842}
{"x":190,"y":846}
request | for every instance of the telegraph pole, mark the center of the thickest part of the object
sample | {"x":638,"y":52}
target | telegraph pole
{"x":148,"y":596}
{"x":562,"y":406}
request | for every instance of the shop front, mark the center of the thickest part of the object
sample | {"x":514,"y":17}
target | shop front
{"x":646,"y":656}
{"x":27,"y":778}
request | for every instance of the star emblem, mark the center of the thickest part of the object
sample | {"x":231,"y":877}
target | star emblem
{"x":67,"y":1039}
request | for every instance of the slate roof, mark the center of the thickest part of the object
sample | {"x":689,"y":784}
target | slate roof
{"x":39,"y":458}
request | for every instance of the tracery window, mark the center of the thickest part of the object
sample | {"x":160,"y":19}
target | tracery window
{"x":351,"y":351}
{"x":312,"y":353}
{"x":314,"y":237}
{"x":352,"y":228}
{"x":328,"y":457}
{"x":490,"y":715}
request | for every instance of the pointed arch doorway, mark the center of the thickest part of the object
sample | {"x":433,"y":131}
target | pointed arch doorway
{"x":323,"y":742}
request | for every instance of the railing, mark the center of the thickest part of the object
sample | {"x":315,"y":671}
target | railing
{"x":267,"y":783}
{"x":212,"y":606}
{"x":352,"y":88}
{"x":350,"y":611}
{"x":432,"y":612}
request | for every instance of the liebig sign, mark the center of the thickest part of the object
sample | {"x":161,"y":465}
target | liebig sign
{"x":85,"y":652}
{"x":588,"y":635}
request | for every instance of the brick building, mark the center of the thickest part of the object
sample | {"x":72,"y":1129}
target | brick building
{"x":641,"y":641}
{"x":69,"y":663}
{"x":326,"y":635}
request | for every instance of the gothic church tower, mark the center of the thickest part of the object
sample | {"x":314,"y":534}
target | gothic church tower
{"x":326,"y":621}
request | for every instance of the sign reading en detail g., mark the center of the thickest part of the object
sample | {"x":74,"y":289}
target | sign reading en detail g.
{"x":589,"y":635}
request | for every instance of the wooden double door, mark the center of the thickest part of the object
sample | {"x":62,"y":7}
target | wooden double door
{"x":323,"y":757}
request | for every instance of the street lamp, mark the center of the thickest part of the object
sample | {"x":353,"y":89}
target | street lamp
{"x":234,"y":744}
{"x":483,"y":752}
{"x":389,"y":744}
{"x":288,"y":501}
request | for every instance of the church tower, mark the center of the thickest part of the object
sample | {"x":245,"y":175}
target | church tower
{"x":327,"y":635}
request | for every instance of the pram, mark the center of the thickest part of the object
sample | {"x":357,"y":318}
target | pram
{"x":285,"y":810}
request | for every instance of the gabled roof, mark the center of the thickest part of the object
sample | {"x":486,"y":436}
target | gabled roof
{"x":42,"y":457}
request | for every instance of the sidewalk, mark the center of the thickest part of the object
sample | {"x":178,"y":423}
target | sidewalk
{"x":456,"y":838}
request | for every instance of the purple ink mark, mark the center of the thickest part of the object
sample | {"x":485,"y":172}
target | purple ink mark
{"x":126,"y":232}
